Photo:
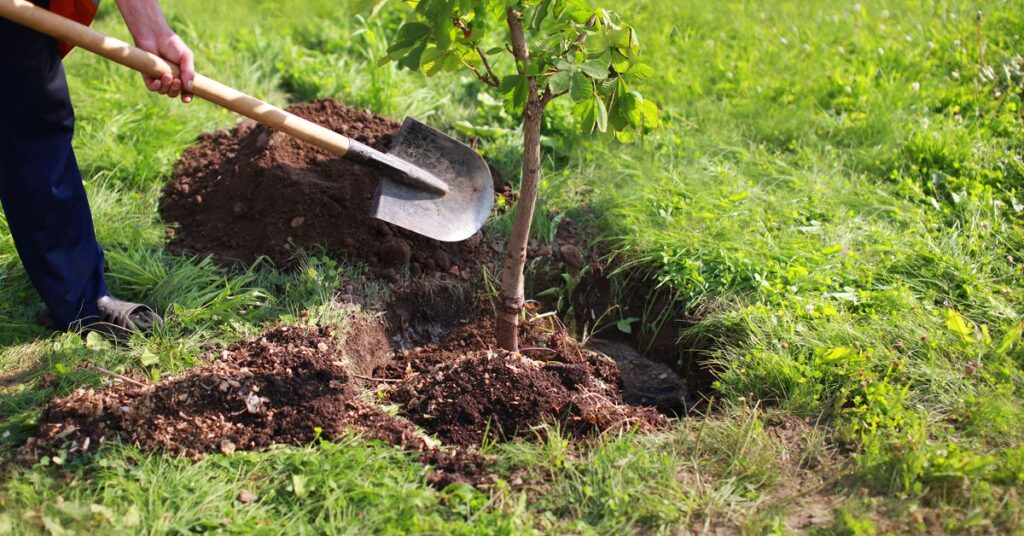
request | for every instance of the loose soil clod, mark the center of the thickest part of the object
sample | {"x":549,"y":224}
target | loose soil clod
{"x":251,"y":191}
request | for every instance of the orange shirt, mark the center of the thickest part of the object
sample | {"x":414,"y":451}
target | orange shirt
{"x":82,"y":11}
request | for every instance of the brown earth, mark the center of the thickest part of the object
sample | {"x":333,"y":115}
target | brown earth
{"x":293,"y":384}
{"x":288,"y":386}
{"x":250,"y":191}
{"x":463,"y":389}
{"x":277,"y":388}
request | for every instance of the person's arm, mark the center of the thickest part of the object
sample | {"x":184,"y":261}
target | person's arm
{"x":148,"y":27}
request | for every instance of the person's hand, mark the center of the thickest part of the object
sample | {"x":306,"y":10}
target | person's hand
{"x":149,"y":28}
{"x":171,"y":48}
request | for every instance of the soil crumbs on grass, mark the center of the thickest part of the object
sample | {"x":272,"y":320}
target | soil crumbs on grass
{"x":250,"y":191}
{"x":463,"y":390}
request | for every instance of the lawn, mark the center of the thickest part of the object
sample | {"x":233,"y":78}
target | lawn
{"x":829,"y":217}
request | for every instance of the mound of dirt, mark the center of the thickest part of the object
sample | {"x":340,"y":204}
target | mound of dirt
{"x":293,"y":384}
{"x":250,"y":191}
{"x":281,"y":387}
{"x":462,"y":389}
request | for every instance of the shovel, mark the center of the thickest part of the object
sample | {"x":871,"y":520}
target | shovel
{"x":430,"y":183}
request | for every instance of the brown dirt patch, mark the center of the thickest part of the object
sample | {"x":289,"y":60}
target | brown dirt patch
{"x":281,"y":387}
{"x":286,"y":386}
{"x":462,"y":389}
{"x":293,"y":384}
{"x":250,"y":191}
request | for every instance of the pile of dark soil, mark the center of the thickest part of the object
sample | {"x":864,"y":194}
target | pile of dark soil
{"x":278,"y":388}
{"x":285,"y":387}
{"x":292,"y":384}
{"x":462,"y":389}
{"x":252,"y":191}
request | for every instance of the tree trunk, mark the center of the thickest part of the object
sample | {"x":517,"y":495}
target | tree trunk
{"x":511,"y":301}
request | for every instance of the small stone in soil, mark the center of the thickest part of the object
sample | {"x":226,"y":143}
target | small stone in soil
{"x":441,"y":259}
{"x":571,"y":256}
{"x":395,"y":252}
{"x":245,"y":497}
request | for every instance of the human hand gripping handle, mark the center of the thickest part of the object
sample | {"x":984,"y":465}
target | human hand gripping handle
{"x":149,"y":29}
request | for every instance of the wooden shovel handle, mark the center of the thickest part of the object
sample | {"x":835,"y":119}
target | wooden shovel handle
{"x":43,"y":21}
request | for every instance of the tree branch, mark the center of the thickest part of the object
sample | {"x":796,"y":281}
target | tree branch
{"x":482,"y":77}
{"x":549,"y":96}
{"x":492,"y":79}
{"x":113,"y":374}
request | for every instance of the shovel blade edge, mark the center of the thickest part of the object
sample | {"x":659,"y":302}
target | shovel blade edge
{"x":452,"y":217}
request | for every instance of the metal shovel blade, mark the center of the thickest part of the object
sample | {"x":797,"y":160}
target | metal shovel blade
{"x":454,"y":216}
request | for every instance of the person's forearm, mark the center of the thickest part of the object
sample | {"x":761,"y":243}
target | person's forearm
{"x":145,"y":21}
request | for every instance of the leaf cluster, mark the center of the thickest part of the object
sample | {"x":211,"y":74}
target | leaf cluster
{"x":570,"y":48}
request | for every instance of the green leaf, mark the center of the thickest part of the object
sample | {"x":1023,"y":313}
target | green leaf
{"x":586,"y":112}
{"x":521,"y":93}
{"x":1011,"y":338}
{"x":553,"y":291}
{"x":956,"y":324}
{"x":148,"y":358}
{"x":470,"y":129}
{"x":299,"y":485}
{"x":560,"y":81}
{"x":510,"y":83}
{"x":368,"y":8}
{"x":625,"y":136}
{"x":539,"y":14}
{"x":625,"y":112}
{"x":620,"y":61}
{"x":650,"y":114}
{"x":432,"y":60}
{"x":95,"y":341}
{"x":596,"y":69}
{"x":602,"y":115}
{"x":740,"y":196}
{"x":836,"y":354}
{"x":626,"y":324}
{"x":834,"y":248}
{"x":409,"y":35}
{"x":582,"y":88}
{"x":578,"y":10}
{"x":639,"y":71}
{"x":411,"y":60}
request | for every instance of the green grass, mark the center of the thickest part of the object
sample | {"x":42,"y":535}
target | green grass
{"x":835,"y":195}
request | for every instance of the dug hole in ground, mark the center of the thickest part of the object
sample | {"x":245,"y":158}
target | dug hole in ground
{"x":250,"y":192}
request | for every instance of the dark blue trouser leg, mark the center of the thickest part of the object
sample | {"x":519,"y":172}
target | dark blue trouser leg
{"x":40,"y":184}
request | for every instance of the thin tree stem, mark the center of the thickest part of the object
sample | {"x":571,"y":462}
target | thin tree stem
{"x":510,"y":303}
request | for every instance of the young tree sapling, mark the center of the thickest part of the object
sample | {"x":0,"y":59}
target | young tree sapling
{"x":550,"y":48}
